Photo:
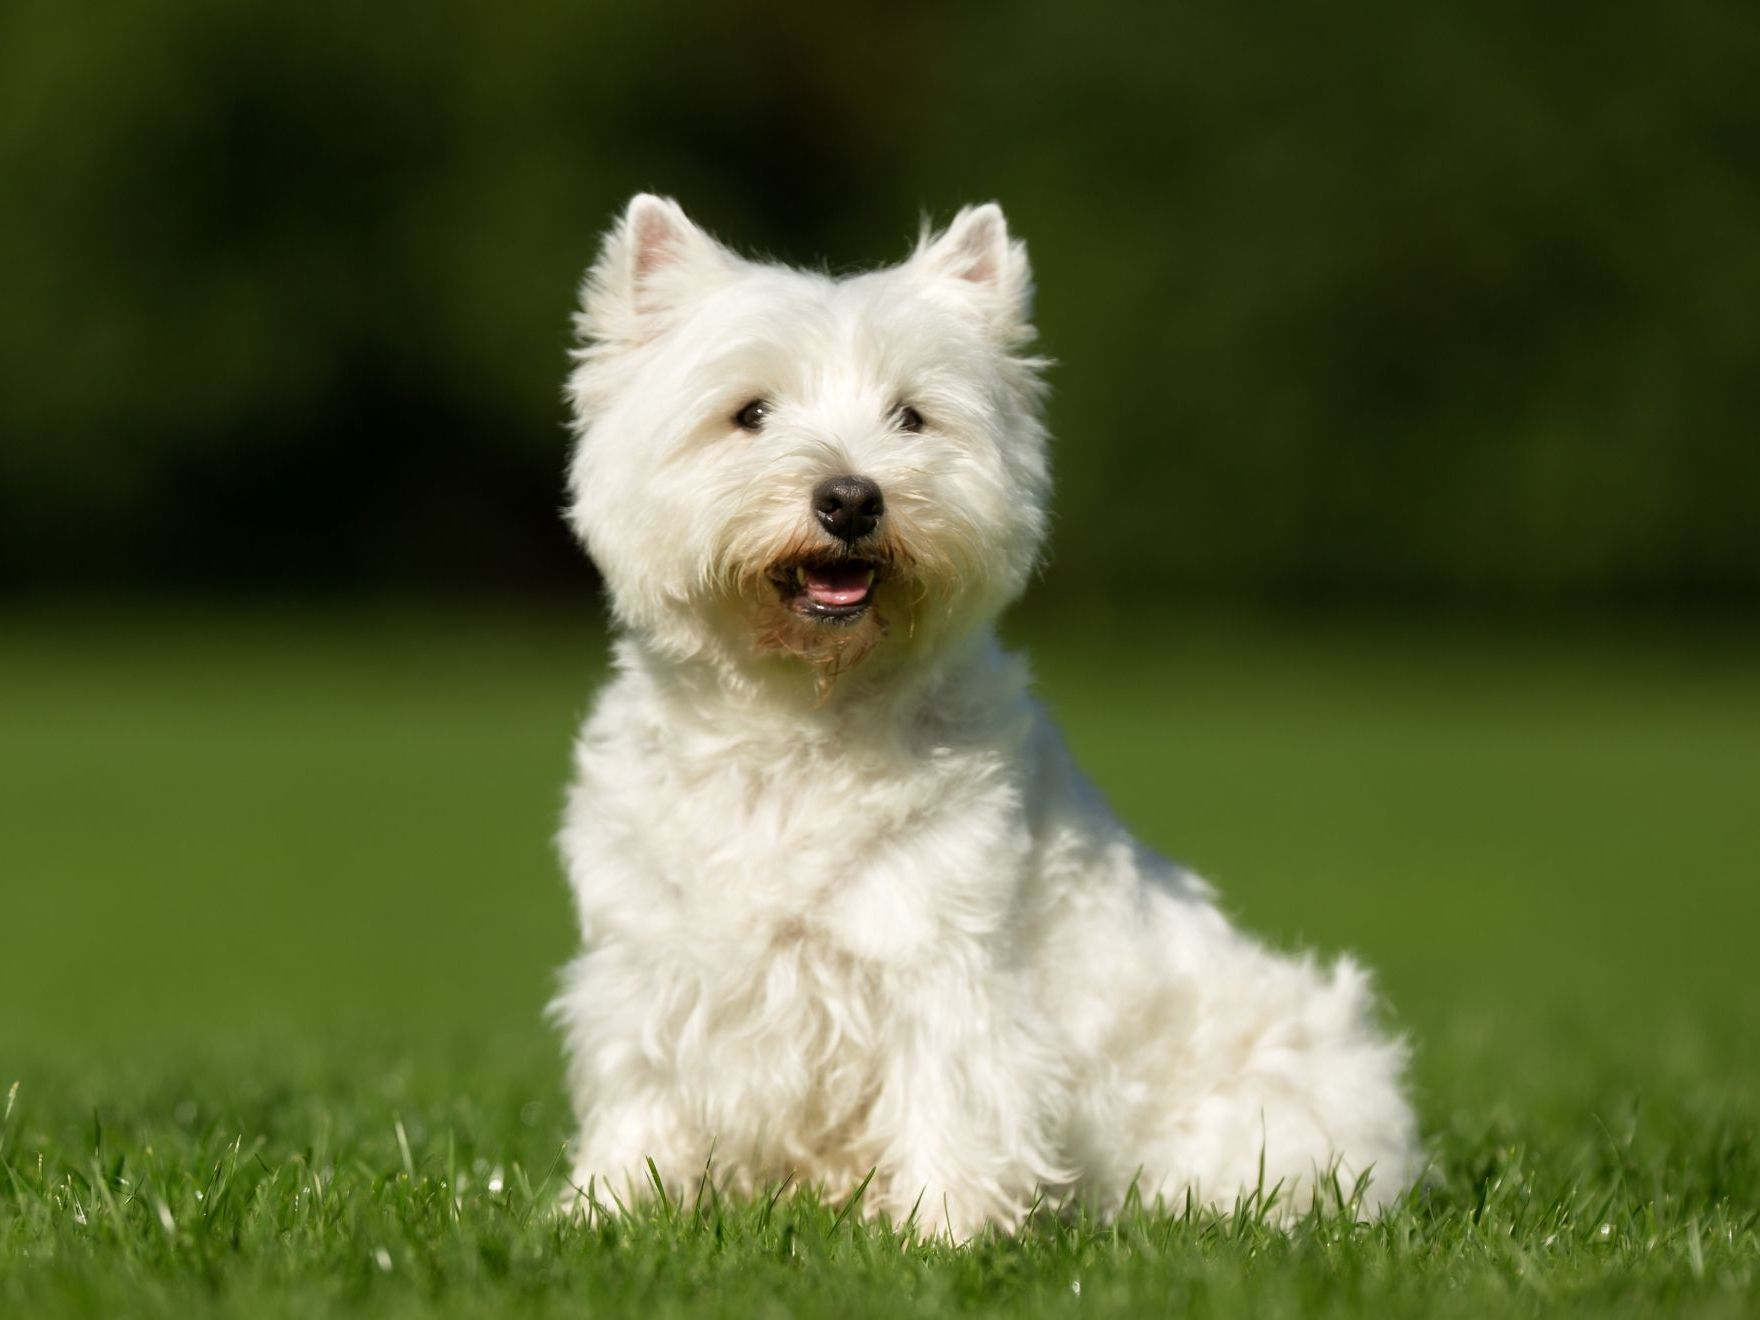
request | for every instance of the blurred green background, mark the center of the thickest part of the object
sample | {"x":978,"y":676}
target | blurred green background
{"x":1405,"y":563}
{"x":1447,"y":302}
{"x":296,"y":841}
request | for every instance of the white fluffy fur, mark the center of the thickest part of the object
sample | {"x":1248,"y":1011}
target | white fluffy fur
{"x":851,"y":907}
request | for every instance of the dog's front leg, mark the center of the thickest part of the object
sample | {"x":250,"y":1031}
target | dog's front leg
{"x":971,"y":1111}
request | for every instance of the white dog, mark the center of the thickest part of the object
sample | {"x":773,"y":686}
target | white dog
{"x":848,"y":906}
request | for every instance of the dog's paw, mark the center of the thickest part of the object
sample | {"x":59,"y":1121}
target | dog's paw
{"x":942,"y":1213}
{"x":591,"y":1193}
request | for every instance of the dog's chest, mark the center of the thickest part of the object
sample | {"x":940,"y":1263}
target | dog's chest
{"x":883,"y":858}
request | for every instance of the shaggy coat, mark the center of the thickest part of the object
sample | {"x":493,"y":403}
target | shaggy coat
{"x":848,"y":907}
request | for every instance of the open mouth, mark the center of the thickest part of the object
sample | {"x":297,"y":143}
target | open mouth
{"x":831,"y":591}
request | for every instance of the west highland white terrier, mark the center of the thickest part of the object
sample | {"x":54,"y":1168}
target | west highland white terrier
{"x":849,"y":909}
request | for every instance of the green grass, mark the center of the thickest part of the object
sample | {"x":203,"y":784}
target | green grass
{"x":278,"y":914}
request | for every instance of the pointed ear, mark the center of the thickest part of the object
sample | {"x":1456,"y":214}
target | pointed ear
{"x":976,"y":260}
{"x":653,"y":262}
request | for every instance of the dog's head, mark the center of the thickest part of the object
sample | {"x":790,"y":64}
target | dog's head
{"x":773,"y":462}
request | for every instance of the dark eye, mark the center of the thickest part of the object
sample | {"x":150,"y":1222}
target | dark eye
{"x":909,"y":419}
{"x":753,"y":416}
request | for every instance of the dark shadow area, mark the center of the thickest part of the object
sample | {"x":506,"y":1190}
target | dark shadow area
{"x":1403,"y":305}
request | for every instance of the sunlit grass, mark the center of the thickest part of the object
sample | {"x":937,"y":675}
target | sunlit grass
{"x":317,"y":1194}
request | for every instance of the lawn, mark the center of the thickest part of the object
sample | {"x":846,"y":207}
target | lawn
{"x":279,"y":913}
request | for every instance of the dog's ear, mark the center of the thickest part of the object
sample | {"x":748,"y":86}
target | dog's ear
{"x":976,"y":260}
{"x":653,"y":262}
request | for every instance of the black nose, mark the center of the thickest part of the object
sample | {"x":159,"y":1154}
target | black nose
{"x":848,"y":507}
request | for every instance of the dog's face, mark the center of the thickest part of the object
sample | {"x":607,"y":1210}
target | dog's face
{"x":771,"y":462}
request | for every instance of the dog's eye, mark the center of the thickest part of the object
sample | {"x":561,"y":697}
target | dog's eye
{"x":909,"y":419}
{"x":753,"y":416}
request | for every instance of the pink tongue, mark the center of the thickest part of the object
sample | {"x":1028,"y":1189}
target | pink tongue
{"x":840,"y":584}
